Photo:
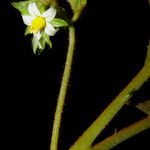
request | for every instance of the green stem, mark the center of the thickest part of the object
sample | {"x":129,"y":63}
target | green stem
{"x":123,"y":134}
{"x":76,"y":16}
{"x":85,"y":141}
{"x":63,"y":90}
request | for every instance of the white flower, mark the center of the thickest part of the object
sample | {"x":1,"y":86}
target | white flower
{"x":40,"y":22}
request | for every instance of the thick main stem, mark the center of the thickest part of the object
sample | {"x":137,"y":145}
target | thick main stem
{"x":85,"y":141}
{"x":63,"y":90}
{"x":123,"y":134}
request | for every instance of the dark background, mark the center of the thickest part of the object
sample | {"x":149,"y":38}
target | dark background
{"x":111,"y":47}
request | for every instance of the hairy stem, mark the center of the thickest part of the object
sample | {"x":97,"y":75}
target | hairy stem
{"x":85,"y":141}
{"x":123,"y":134}
{"x":63,"y":90}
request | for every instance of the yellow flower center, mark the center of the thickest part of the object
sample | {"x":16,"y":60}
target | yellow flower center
{"x":37,"y":25}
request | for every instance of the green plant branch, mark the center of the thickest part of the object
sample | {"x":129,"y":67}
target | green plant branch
{"x":86,"y":139}
{"x":123,"y":135}
{"x":63,"y":90}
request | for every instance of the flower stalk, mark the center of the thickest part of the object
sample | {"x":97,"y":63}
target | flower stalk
{"x":63,"y":90}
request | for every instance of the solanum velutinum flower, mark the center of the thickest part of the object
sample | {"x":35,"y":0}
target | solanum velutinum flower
{"x":42,"y":24}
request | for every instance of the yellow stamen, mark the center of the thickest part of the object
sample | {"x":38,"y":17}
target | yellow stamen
{"x":38,"y":24}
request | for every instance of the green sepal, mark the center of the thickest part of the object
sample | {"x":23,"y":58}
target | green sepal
{"x":57,"y":22}
{"x":41,"y":6}
{"x":77,"y":5}
{"x":35,"y":45}
{"x":22,"y":6}
{"x":47,"y":39}
{"x":43,"y":43}
{"x":27,"y":31}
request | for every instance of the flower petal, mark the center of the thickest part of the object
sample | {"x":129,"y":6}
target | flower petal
{"x":38,"y":35}
{"x":50,"y":30}
{"x":49,"y":14}
{"x":33,"y":10}
{"x":27,"y":19}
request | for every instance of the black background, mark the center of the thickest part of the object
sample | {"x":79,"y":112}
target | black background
{"x":111,"y":47}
